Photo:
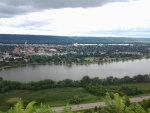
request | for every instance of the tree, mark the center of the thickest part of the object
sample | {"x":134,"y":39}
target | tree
{"x":1,"y":79}
{"x":97,"y":90}
{"x":135,"y":108}
{"x":139,"y":78}
{"x":85,"y":81}
{"x":95,"y":81}
{"x":109,"y":80}
{"x":67,"y":109}
{"x":118,"y":105}
{"x":114,"y":106}
{"x":126,"y":79}
{"x":68,"y":82}
{"x":145,"y":104}
{"x":129,"y":90}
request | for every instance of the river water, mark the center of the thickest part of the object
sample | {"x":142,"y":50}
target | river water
{"x":76,"y":72}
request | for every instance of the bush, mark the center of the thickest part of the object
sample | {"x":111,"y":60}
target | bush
{"x":76,"y":100}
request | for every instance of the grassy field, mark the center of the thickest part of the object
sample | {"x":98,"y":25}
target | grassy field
{"x":59,"y":96}
{"x":51,"y":97}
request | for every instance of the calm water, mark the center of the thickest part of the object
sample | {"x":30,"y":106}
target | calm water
{"x":76,"y":72}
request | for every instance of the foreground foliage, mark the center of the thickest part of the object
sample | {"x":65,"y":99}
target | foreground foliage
{"x":52,"y":97}
{"x":116,"y":105}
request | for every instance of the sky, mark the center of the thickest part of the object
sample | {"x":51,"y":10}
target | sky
{"x":100,"y":18}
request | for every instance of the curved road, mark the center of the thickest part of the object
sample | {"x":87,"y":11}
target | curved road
{"x":92,"y":105}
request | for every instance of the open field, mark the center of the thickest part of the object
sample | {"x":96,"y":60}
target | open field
{"x":51,"y":97}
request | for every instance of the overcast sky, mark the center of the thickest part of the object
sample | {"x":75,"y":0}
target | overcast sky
{"x":115,"y":18}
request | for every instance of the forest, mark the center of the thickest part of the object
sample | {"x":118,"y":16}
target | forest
{"x":41,"y":39}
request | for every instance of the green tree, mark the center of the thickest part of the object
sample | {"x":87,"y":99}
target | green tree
{"x":68,"y":82}
{"x":85,"y":80}
{"x":1,"y":79}
{"x":114,"y":106}
{"x":67,"y":109}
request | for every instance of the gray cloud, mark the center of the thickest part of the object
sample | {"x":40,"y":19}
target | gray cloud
{"x":29,"y":24}
{"x":9,"y":8}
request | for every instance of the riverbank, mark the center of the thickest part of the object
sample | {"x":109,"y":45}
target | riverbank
{"x":90,"y":60}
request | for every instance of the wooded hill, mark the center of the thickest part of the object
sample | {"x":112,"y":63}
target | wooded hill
{"x":45,"y":39}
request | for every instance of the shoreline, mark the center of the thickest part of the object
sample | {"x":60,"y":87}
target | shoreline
{"x":69,"y":64}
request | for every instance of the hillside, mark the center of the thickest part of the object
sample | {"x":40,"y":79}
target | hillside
{"x":44,"y":39}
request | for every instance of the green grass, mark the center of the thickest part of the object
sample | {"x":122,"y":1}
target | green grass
{"x":5,"y":67}
{"x":140,"y":86}
{"x":59,"y":96}
{"x":51,"y":97}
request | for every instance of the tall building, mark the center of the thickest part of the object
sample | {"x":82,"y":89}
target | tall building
{"x":25,"y":46}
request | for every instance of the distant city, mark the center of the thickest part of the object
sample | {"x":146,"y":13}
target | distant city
{"x":17,"y":51}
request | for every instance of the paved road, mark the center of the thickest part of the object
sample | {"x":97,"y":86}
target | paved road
{"x":92,"y":105}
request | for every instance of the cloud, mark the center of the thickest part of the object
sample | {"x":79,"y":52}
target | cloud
{"x":121,"y":19}
{"x":9,"y":8}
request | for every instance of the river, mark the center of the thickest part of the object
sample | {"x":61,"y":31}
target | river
{"x":76,"y":72}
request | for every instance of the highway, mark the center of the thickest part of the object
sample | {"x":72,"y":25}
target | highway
{"x":92,"y":105}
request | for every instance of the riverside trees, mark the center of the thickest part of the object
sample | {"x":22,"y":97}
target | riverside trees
{"x":94,"y":85}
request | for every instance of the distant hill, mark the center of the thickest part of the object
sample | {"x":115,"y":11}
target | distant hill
{"x":42,"y":39}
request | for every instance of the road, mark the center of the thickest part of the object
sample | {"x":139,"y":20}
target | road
{"x":92,"y":105}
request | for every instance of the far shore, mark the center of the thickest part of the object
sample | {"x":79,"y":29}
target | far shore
{"x":86,"y":63}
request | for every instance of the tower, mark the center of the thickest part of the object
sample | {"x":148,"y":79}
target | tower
{"x":25,"y":46}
